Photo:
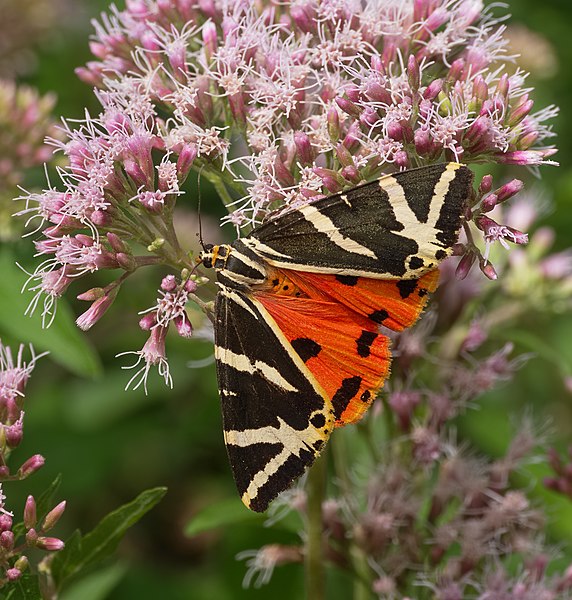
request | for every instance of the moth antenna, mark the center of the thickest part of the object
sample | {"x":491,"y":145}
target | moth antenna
{"x":203,"y":246}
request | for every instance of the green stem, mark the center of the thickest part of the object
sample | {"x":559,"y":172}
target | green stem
{"x":314,"y":559}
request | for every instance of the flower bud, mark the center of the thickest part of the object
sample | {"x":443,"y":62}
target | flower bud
{"x":413,"y":73}
{"x":54,"y":516}
{"x":465,"y":265}
{"x":433,"y":89}
{"x":13,"y":574}
{"x":191,"y":286}
{"x":49,"y":543}
{"x":349,"y":107}
{"x":21,"y":563}
{"x":33,"y":464}
{"x":509,"y":189}
{"x":147,"y":321}
{"x":7,"y":540}
{"x":304,"y":148}
{"x":486,"y":185}
{"x":92,"y":295}
{"x":488,"y":269}
{"x":168,"y":283}
{"x":333,"y":124}
{"x":489,"y":202}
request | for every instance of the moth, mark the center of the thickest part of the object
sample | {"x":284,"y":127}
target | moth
{"x":300,"y":308}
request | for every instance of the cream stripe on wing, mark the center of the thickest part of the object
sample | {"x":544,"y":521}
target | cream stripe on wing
{"x":440,"y":192}
{"x":324,"y":225}
{"x":292,"y":440}
{"x":242,"y":363}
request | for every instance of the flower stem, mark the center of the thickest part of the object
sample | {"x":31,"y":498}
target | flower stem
{"x":315,"y":572}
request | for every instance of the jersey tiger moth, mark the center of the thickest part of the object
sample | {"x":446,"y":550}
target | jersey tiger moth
{"x":298,"y":345}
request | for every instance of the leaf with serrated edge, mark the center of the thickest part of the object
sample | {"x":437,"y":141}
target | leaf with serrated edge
{"x":85,"y":552}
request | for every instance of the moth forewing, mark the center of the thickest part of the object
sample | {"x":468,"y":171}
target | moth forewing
{"x":398,"y":227}
{"x":276,"y":416}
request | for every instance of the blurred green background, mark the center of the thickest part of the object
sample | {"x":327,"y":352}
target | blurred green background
{"x":110,"y":444}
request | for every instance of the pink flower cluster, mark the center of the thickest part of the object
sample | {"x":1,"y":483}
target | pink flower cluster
{"x":275,"y":103}
{"x":14,"y":375}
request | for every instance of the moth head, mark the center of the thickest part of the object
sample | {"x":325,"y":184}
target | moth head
{"x":207,"y":256}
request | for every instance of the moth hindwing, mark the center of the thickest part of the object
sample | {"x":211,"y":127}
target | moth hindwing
{"x":298,"y":346}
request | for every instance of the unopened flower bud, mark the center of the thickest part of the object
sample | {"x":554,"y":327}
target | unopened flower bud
{"x":148,"y":321}
{"x":168,"y":283}
{"x":49,"y":543}
{"x":6,"y":522}
{"x":92,"y":295}
{"x":22,"y":563}
{"x":54,"y":516}
{"x":126,"y":261}
{"x":333,"y":124}
{"x":31,"y":537}
{"x":190,"y":286}
{"x":187,"y":155}
{"x":13,"y":574}
{"x":518,"y":113}
{"x":401,"y":159}
{"x":486,"y":185}
{"x":465,"y":264}
{"x":349,"y":107}
{"x":488,"y":269}
{"x":413,"y":73}
{"x":509,"y":189}
{"x":7,"y":540}
{"x":489,"y":202}
{"x":304,"y":148}
{"x":116,"y":243}
{"x":433,"y":89}
{"x":33,"y":464}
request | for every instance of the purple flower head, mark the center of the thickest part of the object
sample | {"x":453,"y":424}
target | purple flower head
{"x":276,"y":105}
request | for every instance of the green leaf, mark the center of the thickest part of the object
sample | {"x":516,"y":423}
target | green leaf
{"x":221,"y":514}
{"x":82,"y":553}
{"x":96,"y":586}
{"x":25,"y":588}
{"x":66,"y":344}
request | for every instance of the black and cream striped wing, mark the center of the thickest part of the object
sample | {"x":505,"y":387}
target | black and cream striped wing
{"x":276,"y":417}
{"x":397,"y":227}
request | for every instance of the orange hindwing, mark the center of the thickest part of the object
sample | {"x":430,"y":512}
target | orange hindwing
{"x":333,"y":323}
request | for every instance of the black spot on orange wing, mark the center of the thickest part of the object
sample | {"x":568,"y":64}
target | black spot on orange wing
{"x":349,"y":388}
{"x":306,"y":348}
{"x":347,"y":279}
{"x":406,"y":287}
{"x":365,"y":397}
{"x":378,"y":316}
{"x":364,"y":343}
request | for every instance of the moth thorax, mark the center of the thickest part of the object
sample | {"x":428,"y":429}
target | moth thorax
{"x":238,"y":266}
{"x":215,"y":256}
